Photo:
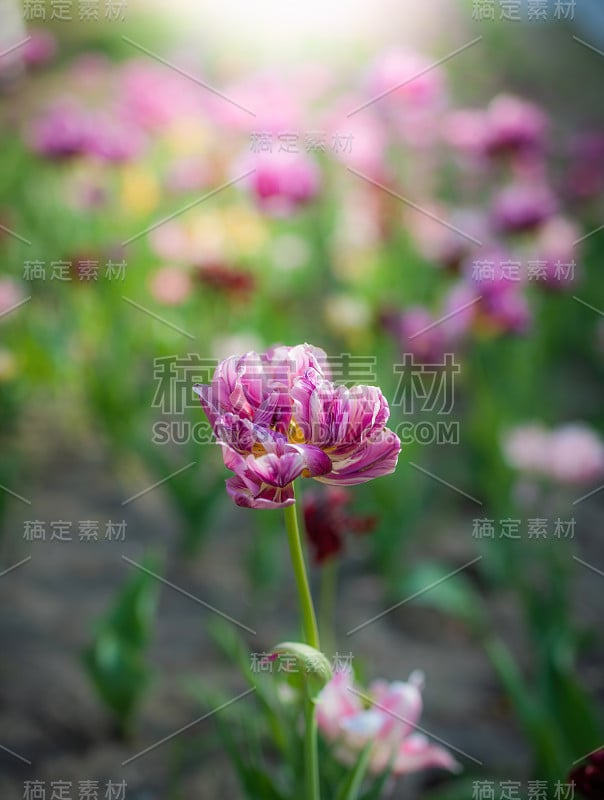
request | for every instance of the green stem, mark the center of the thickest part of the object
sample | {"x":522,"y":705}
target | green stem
{"x":311,"y":753}
{"x":309,"y":620}
{"x":327,"y":600}
{"x":311,"y":635}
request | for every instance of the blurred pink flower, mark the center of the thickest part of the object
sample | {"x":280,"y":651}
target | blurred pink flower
{"x":410,"y":92}
{"x":571,"y":454}
{"x":90,"y":73}
{"x":277,"y":417}
{"x":187,"y":174}
{"x":152,"y":96}
{"x":170,"y":285}
{"x":460,"y":307}
{"x":275,"y":105}
{"x":466,"y":130}
{"x":40,"y":49}
{"x":111,"y":138}
{"x":11,"y":294}
{"x":556,"y":248}
{"x":388,"y":725}
{"x":281,"y":182}
{"x":360,"y":140}
{"x":405,"y":80}
{"x":171,"y":242}
{"x":525,"y":448}
{"x":576,"y":455}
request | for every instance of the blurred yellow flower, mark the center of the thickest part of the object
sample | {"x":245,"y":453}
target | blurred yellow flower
{"x":188,"y":137}
{"x":139,"y":191}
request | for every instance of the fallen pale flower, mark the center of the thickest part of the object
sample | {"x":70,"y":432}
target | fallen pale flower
{"x":388,"y":724}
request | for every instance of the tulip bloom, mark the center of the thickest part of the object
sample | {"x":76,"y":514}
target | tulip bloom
{"x":277,"y":417}
{"x":389,"y":724}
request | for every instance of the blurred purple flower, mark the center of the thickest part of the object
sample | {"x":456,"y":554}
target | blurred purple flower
{"x":153,"y":97}
{"x":445,"y":246}
{"x":585,"y":177}
{"x":68,"y":130}
{"x":514,"y":125}
{"x":508,"y":126}
{"x":388,"y":724}
{"x":460,"y":307}
{"x":410,"y":330}
{"x":278,"y":417}
{"x":507,"y":310}
{"x":61,"y":132}
{"x":522,"y":206}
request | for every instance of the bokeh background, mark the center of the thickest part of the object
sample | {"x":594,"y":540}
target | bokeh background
{"x":416,"y":188}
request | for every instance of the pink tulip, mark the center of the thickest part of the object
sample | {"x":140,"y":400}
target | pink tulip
{"x":388,"y":725}
{"x":277,"y":417}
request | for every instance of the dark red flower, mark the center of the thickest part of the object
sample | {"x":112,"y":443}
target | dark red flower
{"x":588,"y":777}
{"x":221,"y":277}
{"x":327,"y":522}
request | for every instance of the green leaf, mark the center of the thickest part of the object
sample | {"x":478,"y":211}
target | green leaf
{"x":115,"y":659}
{"x":377,"y":789}
{"x":455,"y":595}
{"x":539,"y":725}
{"x":351,"y":787}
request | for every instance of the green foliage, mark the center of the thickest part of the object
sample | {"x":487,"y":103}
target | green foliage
{"x":115,"y":660}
